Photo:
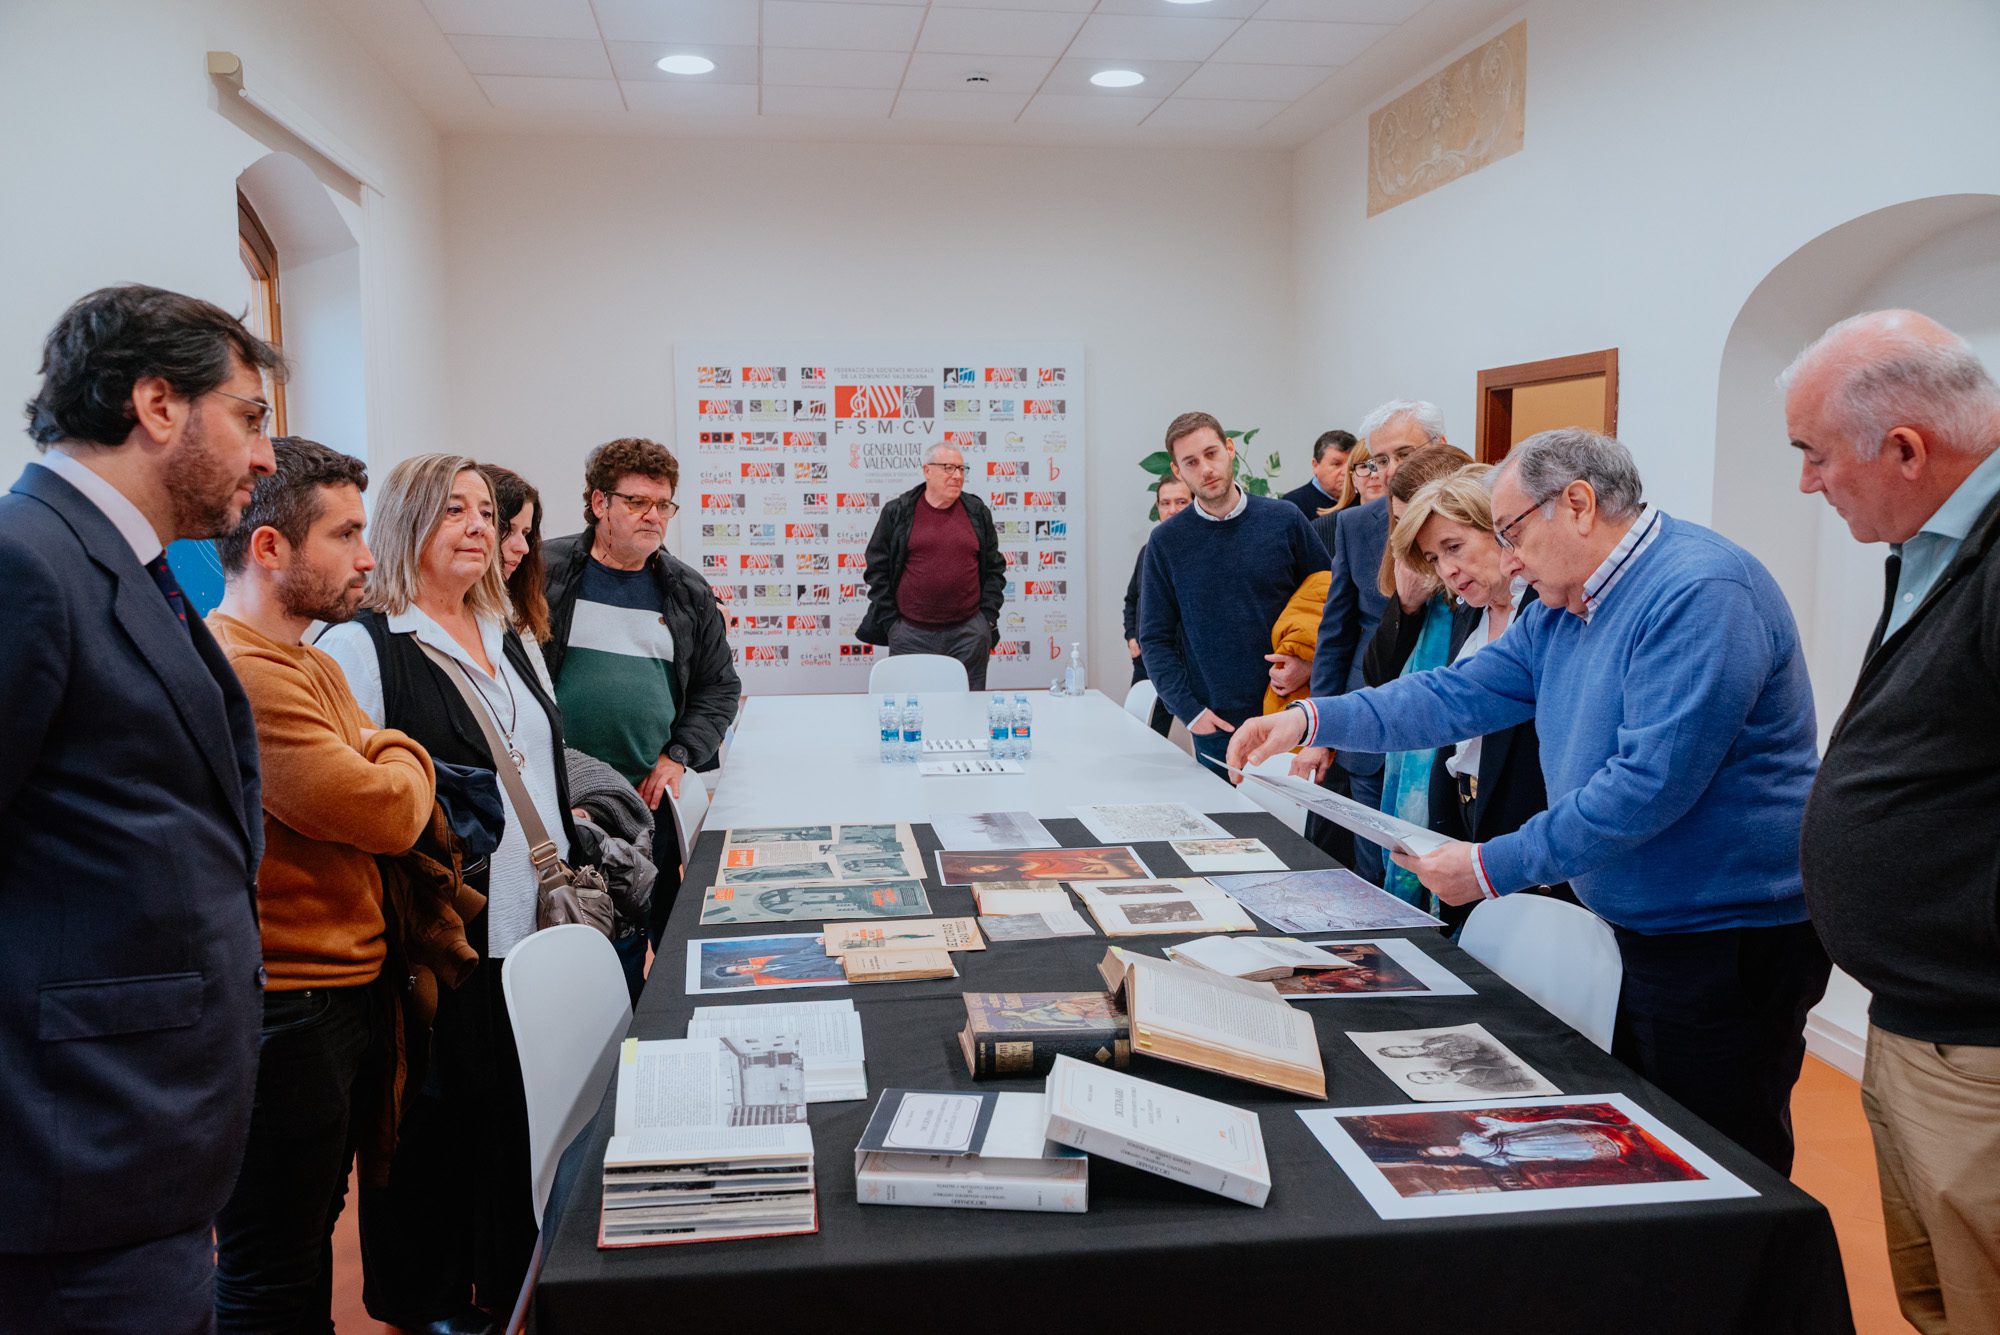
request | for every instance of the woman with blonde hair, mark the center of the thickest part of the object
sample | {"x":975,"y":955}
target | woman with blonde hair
{"x":1442,"y":559}
{"x":1363,"y":482}
{"x":452,"y":1231}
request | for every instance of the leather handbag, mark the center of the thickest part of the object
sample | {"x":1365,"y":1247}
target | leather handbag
{"x":563,"y":894}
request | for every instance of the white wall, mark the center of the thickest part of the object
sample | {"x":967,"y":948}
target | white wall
{"x":576,"y":264}
{"x":1674,"y":155}
{"x":121,"y":159}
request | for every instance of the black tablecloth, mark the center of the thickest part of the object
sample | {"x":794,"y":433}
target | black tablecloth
{"x":1154,"y":1255}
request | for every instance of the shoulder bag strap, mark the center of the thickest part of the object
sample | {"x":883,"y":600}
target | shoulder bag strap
{"x":541,"y":848}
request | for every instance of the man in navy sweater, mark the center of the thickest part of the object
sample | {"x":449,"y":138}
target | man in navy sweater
{"x":1665,"y":677}
{"x":1215,"y":578}
{"x":1897,"y":424}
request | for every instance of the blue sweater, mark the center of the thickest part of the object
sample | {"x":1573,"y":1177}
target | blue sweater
{"x":1677,"y":735}
{"x":1210,"y":592}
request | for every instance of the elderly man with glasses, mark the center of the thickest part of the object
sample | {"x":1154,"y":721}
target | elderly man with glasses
{"x":637,"y":647}
{"x":936,"y":578}
{"x":1666,"y":680}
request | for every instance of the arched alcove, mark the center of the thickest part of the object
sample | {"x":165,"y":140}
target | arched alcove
{"x":319,"y":255}
{"x":1940,"y":255}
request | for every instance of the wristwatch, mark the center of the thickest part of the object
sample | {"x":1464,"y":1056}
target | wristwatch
{"x":679,"y":755}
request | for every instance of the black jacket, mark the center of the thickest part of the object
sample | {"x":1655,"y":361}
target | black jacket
{"x":1310,"y":500}
{"x":1510,"y":761}
{"x":889,"y":548}
{"x":705,"y":678}
{"x":1900,"y":848}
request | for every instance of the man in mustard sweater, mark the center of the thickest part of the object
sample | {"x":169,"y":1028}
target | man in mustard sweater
{"x":337,"y":791}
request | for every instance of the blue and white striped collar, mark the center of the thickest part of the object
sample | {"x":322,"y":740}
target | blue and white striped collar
{"x":1636,"y":540}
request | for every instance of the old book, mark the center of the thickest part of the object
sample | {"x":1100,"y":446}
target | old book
{"x":967,"y":1151}
{"x":896,"y":966}
{"x":913,"y":934}
{"x":1201,"y":1142}
{"x":1211,"y":1021}
{"x":1021,"y":1033}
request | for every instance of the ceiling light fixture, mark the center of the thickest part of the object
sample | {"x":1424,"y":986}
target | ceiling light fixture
{"x":1118,"y":78}
{"x":685,"y":64}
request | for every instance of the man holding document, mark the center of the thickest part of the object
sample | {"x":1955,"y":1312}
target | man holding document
{"x":1666,"y":679}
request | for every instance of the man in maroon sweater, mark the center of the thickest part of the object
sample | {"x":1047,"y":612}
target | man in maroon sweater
{"x":935,"y":575}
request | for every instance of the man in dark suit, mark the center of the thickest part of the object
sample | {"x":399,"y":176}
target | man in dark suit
{"x":1355,"y":538}
{"x":130,"y":826}
{"x":1321,"y":491}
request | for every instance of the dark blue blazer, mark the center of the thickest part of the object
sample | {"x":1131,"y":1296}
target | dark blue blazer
{"x":1355,"y":538}
{"x":130,"y":830}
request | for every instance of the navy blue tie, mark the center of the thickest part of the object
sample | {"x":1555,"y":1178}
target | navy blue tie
{"x":163,"y":576}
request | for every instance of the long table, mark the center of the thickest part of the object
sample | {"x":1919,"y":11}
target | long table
{"x":1154,"y":1255}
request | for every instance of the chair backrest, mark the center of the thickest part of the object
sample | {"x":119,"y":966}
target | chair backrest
{"x":567,"y":1000}
{"x":690,"y":809}
{"x":1140,"y":699}
{"x":1291,"y":813}
{"x":1562,"y":956}
{"x":917,"y":672}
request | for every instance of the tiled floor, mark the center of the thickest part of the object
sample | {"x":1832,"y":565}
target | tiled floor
{"x":1835,"y":1163}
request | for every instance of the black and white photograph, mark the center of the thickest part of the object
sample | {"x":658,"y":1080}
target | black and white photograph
{"x":1444,"y":1065}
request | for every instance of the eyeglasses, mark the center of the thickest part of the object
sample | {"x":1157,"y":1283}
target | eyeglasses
{"x":1504,"y":535}
{"x":949,"y":468}
{"x":262,"y":421}
{"x":1368,"y":469}
{"x":641,"y":506}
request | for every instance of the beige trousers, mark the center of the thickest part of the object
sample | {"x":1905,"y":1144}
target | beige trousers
{"x":1935,"y":1112}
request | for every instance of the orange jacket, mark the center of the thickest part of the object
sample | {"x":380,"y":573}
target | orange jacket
{"x":1297,"y":632}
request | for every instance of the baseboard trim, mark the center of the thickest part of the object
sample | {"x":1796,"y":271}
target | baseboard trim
{"x":1835,"y":1044}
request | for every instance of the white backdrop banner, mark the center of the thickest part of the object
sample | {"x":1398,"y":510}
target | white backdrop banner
{"x":788,"y":451}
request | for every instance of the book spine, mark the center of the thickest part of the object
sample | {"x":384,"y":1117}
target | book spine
{"x":875,"y":1188}
{"x":999,"y":1056}
{"x":1134,"y":1154}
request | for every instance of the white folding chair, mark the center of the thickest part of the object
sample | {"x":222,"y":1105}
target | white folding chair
{"x":1140,"y":699}
{"x":1564,"y":957}
{"x":1290,"y":812}
{"x":567,"y":1002}
{"x":690,"y":809}
{"x":917,"y":672}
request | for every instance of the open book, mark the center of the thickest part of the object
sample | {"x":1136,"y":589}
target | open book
{"x":710,"y":1142}
{"x":1180,"y":1013}
{"x":829,"y":1036}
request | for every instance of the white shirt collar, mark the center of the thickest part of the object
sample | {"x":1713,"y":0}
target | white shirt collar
{"x":1637,"y":539}
{"x":1242,"y":504}
{"x":132,"y":526}
{"x":414,"y":620}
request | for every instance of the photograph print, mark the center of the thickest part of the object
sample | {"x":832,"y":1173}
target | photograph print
{"x":760,"y":964}
{"x":1383,"y":967}
{"x":1442,"y":1065}
{"x":1041,"y":864}
{"x":1332,"y":900}
{"x":1506,"y":1156}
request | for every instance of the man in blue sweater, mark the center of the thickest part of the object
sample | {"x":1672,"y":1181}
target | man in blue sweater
{"x":1665,"y":677}
{"x":1215,"y":578}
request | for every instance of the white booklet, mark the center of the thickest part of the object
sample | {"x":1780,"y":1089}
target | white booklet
{"x":1190,"y":1139}
{"x":1178,"y":905}
{"x":829,"y":1039}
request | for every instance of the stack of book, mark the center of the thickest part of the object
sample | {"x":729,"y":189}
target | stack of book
{"x":710,"y":1142}
{"x":968,"y":1152}
{"x":898,"y":951}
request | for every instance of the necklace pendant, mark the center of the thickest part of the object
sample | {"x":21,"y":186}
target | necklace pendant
{"x":514,"y":754}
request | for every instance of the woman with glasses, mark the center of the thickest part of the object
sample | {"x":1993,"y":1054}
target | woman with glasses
{"x":1449,"y":597}
{"x":1364,"y":481}
{"x":452,"y":1231}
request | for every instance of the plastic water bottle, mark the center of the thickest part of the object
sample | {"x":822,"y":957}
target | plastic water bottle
{"x":1073,"y":675}
{"x":891,"y":725}
{"x":999,"y":728}
{"x":913,"y":730}
{"x":1024,"y":729}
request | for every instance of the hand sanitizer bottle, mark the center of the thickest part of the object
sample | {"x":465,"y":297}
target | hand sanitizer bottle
{"x":1073,"y":675}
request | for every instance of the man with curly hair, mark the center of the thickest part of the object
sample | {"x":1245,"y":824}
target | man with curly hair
{"x":637,"y":646}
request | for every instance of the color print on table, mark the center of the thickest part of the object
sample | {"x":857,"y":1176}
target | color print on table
{"x":1386,"y":966}
{"x":1508,"y":1156}
{"x":1321,"y":901}
{"x":760,"y":964}
{"x":1041,"y":864}
{"x":815,"y":901}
